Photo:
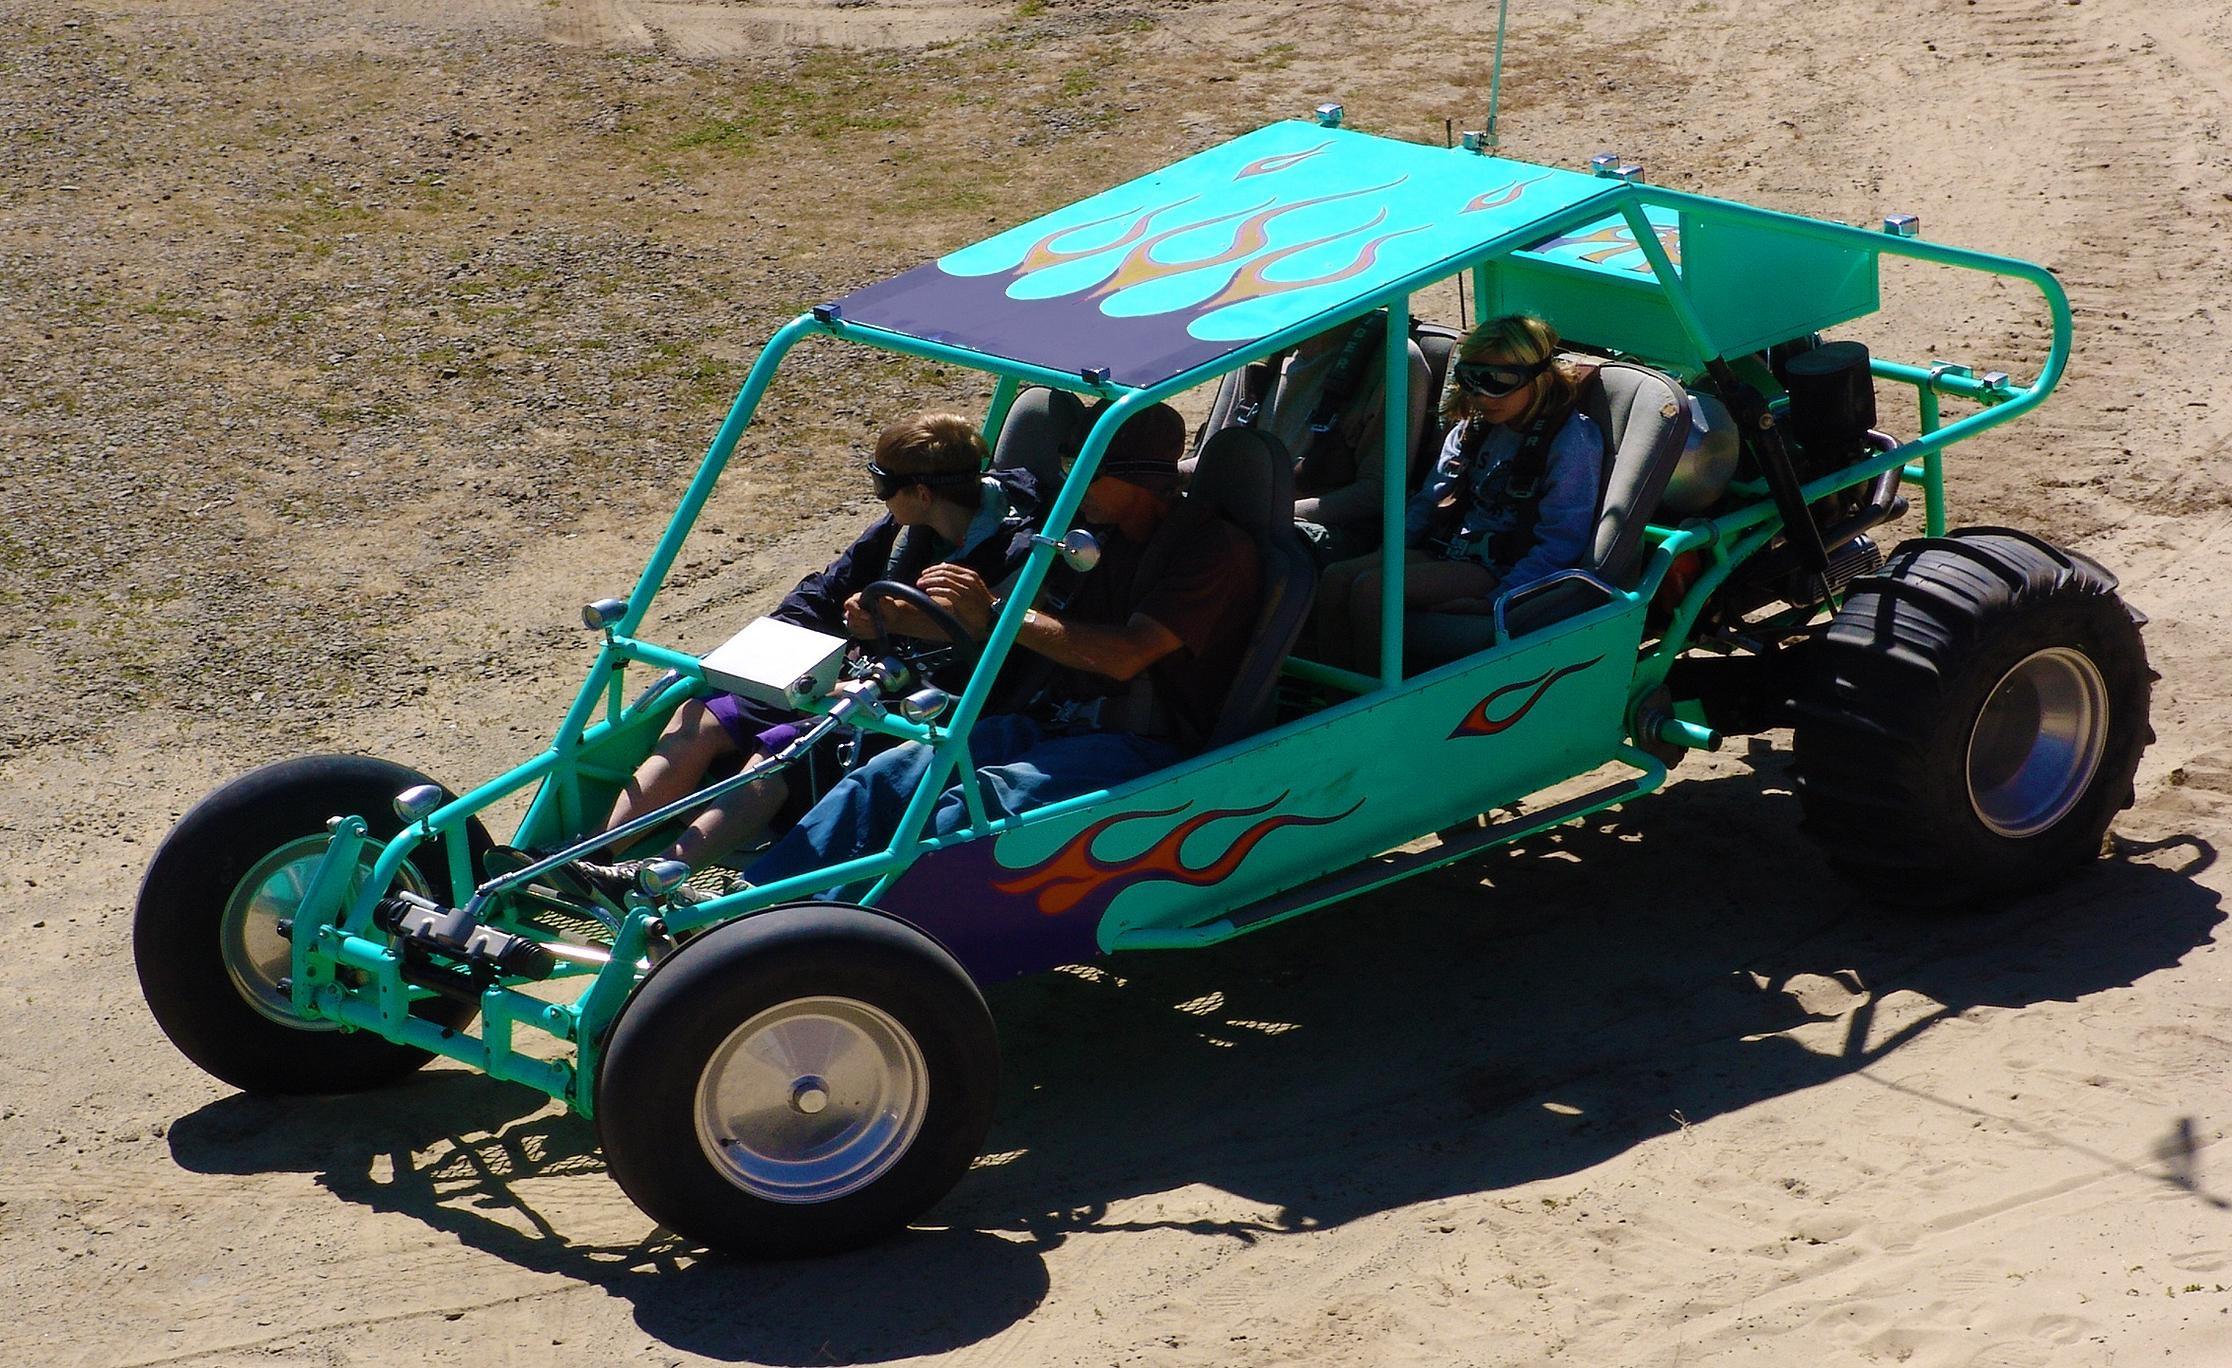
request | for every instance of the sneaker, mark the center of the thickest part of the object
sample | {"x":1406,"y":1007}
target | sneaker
{"x":614,"y":880}
{"x":618,"y":879}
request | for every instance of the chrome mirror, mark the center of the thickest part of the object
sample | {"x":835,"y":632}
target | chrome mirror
{"x":1078,"y":548}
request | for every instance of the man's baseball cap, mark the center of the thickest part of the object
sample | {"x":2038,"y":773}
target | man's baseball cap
{"x":1145,"y":450}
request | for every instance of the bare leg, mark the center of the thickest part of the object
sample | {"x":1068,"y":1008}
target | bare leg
{"x":693,"y":740}
{"x":738,"y":819}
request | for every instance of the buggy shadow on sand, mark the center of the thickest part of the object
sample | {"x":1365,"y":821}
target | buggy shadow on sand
{"x":780,"y":1070}
{"x":1415,"y":1045}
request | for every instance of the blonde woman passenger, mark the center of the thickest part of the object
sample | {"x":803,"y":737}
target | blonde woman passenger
{"x":1512,"y":497}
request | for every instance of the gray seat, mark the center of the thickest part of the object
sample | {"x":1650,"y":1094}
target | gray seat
{"x":1337,"y":469}
{"x":1644,"y":417}
{"x":1043,"y":428}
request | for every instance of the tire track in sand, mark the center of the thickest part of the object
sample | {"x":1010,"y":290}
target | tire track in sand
{"x":2137,"y":247}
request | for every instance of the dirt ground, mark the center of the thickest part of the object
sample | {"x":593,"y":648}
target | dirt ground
{"x":347,"y":347}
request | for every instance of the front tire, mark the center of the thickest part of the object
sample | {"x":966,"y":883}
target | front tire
{"x":205,"y":936}
{"x":1972,"y":720}
{"x":805,"y":1080}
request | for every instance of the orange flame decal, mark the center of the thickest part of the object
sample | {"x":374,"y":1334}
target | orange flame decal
{"x":1139,"y":265}
{"x":1249,"y":282}
{"x":1073,"y":872}
{"x":1043,"y":253}
{"x":1479,"y":723}
{"x":1500,"y":196}
{"x":1266,"y":165}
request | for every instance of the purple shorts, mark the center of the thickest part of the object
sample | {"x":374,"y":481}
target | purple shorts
{"x":755,"y":726}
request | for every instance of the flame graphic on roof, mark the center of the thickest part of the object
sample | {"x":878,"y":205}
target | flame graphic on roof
{"x":1478,"y":722}
{"x":1074,"y":873}
{"x":1249,"y":282}
{"x":1140,"y":266}
{"x":1617,"y":240}
{"x":1042,"y":253}
{"x":1167,"y":272}
{"x":1263,"y":166}
{"x":1501,"y":195}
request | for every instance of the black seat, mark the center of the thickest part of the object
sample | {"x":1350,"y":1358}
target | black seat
{"x":1043,"y":428}
{"x":1245,"y":478}
{"x":1324,"y":401}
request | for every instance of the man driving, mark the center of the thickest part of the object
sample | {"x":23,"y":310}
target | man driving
{"x":1136,"y":664}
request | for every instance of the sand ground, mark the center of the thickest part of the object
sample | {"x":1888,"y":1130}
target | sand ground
{"x":345,"y":348}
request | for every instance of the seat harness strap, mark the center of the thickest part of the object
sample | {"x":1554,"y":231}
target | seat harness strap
{"x":1342,"y":382}
{"x":1515,"y":484}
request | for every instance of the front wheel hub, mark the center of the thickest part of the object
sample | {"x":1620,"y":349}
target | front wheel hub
{"x":812,"y":1099}
{"x":256,"y":927}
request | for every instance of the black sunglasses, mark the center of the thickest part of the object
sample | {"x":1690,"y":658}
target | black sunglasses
{"x":890,"y":482}
{"x":1495,"y":379}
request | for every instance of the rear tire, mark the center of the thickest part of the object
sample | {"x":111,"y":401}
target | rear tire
{"x":801,"y":1081}
{"x":1971,"y":720}
{"x":204,"y":937}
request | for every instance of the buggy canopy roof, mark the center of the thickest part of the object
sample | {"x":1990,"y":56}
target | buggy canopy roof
{"x":1228,"y":247}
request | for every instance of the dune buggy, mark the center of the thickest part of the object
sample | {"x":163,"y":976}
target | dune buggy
{"x":775,"y":1070}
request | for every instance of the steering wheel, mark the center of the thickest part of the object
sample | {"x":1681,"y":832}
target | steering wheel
{"x":959,"y":638}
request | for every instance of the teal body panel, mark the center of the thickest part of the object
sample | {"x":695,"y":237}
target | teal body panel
{"x":1203,"y":839}
{"x":1752,"y":286}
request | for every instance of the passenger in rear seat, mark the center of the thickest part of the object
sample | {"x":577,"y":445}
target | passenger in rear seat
{"x":1324,"y":402}
{"x":1512,"y":498}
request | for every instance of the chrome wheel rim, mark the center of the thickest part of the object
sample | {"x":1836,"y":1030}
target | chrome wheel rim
{"x":256,"y":956}
{"x":812,"y":1099}
{"x":2038,"y":742}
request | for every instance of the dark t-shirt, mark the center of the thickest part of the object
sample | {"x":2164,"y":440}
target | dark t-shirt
{"x":1205,"y":593}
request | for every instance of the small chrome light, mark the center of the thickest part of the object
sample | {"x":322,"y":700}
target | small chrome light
{"x":925,"y":705}
{"x":418,"y":802}
{"x":661,"y":877}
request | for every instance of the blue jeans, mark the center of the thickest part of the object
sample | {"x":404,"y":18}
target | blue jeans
{"x":1021,"y":764}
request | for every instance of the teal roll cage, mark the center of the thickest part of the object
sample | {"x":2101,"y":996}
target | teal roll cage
{"x":343,"y":936}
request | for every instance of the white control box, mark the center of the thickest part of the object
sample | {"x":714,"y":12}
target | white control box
{"x":776,"y":662}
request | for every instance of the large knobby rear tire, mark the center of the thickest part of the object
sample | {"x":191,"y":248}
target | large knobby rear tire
{"x":205,"y":937}
{"x":1971,"y":720}
{"x":805,"y":1080}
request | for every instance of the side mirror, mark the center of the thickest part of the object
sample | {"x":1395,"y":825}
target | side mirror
{"x":1078,"y":548}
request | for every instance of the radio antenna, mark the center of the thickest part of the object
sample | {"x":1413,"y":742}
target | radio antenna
{"x":1495,"y":76}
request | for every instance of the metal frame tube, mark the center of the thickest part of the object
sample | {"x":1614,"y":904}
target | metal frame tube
{"x":1394,"y":490}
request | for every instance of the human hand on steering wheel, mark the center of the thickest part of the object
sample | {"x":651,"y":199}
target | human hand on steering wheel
{"x":963,"y":593}
{"x":888,"y":602}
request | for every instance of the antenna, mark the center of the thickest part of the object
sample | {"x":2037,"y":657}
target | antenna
{"x":1495,"y":77}
{"x":1449,"y":133}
